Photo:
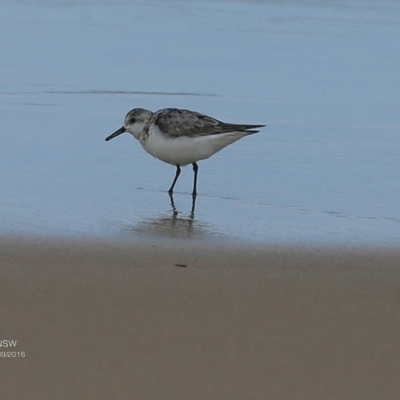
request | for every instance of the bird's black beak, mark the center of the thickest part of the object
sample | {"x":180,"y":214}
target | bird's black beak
{"x":116,"y":133}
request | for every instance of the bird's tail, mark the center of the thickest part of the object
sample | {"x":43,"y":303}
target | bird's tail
{"x":252,"y":128}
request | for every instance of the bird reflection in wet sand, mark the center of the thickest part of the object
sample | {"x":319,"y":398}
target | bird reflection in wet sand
{"x":181,"y":137}
{"x":175,"y":224}
{"x":174,"y":209}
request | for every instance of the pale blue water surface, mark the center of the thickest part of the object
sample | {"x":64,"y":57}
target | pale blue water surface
{"x":323,"y":76}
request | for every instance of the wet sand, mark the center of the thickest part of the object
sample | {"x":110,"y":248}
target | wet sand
{"x":106,"y":320}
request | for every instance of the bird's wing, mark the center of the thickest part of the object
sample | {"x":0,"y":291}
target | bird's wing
{"x":176,"y":122}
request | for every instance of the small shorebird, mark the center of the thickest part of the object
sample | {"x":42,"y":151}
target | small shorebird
{"x":181,"y":137}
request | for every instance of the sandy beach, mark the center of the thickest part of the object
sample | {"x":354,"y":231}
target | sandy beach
{"x":108,"y":320}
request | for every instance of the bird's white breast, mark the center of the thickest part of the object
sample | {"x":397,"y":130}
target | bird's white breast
{"x":184,"y":150}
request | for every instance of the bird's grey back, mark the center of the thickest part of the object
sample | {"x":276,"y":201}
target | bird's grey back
{"x":179,"y":122}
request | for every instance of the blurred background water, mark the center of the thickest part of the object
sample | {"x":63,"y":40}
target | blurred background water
{"x":323,"y":76}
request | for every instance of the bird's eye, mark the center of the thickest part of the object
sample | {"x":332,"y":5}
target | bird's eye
{"x":132,"y":120}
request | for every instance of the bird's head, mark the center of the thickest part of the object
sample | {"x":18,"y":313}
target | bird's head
{"x":135,"y":122}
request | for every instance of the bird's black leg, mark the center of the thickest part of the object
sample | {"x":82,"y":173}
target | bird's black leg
{"x":178,"y":172}
{"x":195,"y":169}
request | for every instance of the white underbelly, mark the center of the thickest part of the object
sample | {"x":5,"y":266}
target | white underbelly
{"x":186,"y":150}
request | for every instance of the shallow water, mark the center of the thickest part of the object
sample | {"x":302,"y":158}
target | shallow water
{"x":323,"y":78}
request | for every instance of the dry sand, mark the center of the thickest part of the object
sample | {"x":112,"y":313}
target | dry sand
{"x":100,"y":320}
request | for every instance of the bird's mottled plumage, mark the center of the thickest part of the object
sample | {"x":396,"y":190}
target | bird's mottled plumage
{"x":176,"y":122}
{"x":181,"y":137}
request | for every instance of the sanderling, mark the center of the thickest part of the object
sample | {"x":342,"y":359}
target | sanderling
{"x":181,"y":137}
